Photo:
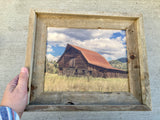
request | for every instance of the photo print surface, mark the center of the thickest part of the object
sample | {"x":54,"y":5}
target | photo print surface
{"x":85,"y":60}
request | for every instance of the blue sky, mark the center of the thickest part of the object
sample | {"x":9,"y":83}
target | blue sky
{"x":109,"y":43}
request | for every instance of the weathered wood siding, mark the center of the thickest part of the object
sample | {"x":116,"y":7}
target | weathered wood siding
{"x":96,"y":71}
{"x":72,"y":63}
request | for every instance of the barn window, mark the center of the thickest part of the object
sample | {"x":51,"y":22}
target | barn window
{"x":72,"y":62}
{"x":76,"y":70}
{"x":83,"y":71}
{"x":60,"y":68}
{"x":90,"y":72}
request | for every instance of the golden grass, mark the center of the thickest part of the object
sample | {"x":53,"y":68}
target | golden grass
{"x":57,"y":83}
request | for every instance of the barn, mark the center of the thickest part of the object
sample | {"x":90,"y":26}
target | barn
{"x":77,"y":61}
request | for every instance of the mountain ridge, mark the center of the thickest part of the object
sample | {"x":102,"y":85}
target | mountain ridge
{"x":120,"y":63}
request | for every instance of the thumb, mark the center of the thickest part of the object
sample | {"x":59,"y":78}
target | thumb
{"x":23,"y":78}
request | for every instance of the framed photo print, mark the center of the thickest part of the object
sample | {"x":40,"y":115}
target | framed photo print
{"x":87,"y":62}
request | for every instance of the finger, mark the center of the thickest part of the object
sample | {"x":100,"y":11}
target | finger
{"x":23,"y":79}
{"x":13,"y":83}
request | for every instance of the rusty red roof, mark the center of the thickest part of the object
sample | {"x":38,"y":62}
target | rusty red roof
{"x":94,"y":58}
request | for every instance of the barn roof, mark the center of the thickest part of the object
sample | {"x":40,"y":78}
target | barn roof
{"x":93,"y":58}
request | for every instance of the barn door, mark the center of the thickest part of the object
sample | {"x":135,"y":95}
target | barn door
{"x":72,"y":62}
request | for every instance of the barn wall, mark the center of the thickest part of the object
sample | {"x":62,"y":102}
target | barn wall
{"x":14,"y":16}
{"x":65,"y":61}
{"x":72,"y":63}
{"x":97,"y":71}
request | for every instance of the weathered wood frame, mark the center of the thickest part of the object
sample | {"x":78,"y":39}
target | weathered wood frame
{"x":136,"y":53}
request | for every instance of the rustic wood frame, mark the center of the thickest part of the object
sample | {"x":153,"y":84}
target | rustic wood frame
{"x":136,"y":52}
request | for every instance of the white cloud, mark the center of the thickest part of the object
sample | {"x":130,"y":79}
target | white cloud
{"x":104,"y":33}
{"x":107,"y":47}
{"x":59,"y":39}
{"x":56,"y":36}
{"x":100,"y":42}
{"x":51,"y":29}
{"x":50,"y":57}
{"x":49,"y":48}
{"x":109,"y":56}
{"x":124,"y":39}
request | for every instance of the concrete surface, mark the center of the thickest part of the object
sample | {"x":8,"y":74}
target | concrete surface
{"x":14,"y":16}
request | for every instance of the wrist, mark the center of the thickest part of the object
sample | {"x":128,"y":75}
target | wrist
{"x":18,"y":113}
{"x":7,"y":112}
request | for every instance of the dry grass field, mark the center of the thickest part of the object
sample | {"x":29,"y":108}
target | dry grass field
{"x":57,"y":83}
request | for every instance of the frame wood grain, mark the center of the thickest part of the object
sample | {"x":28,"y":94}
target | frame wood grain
{"x":138,"y":98}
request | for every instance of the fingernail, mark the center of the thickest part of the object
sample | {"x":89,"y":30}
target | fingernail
{"x":25,"y":70}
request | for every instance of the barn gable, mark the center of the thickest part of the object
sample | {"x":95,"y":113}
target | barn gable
{"x":72,"y":58}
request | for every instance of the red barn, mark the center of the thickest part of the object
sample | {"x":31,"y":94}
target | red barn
{"x":77,"y":61}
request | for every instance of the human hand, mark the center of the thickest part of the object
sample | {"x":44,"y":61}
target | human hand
{"x":15,"y":95}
